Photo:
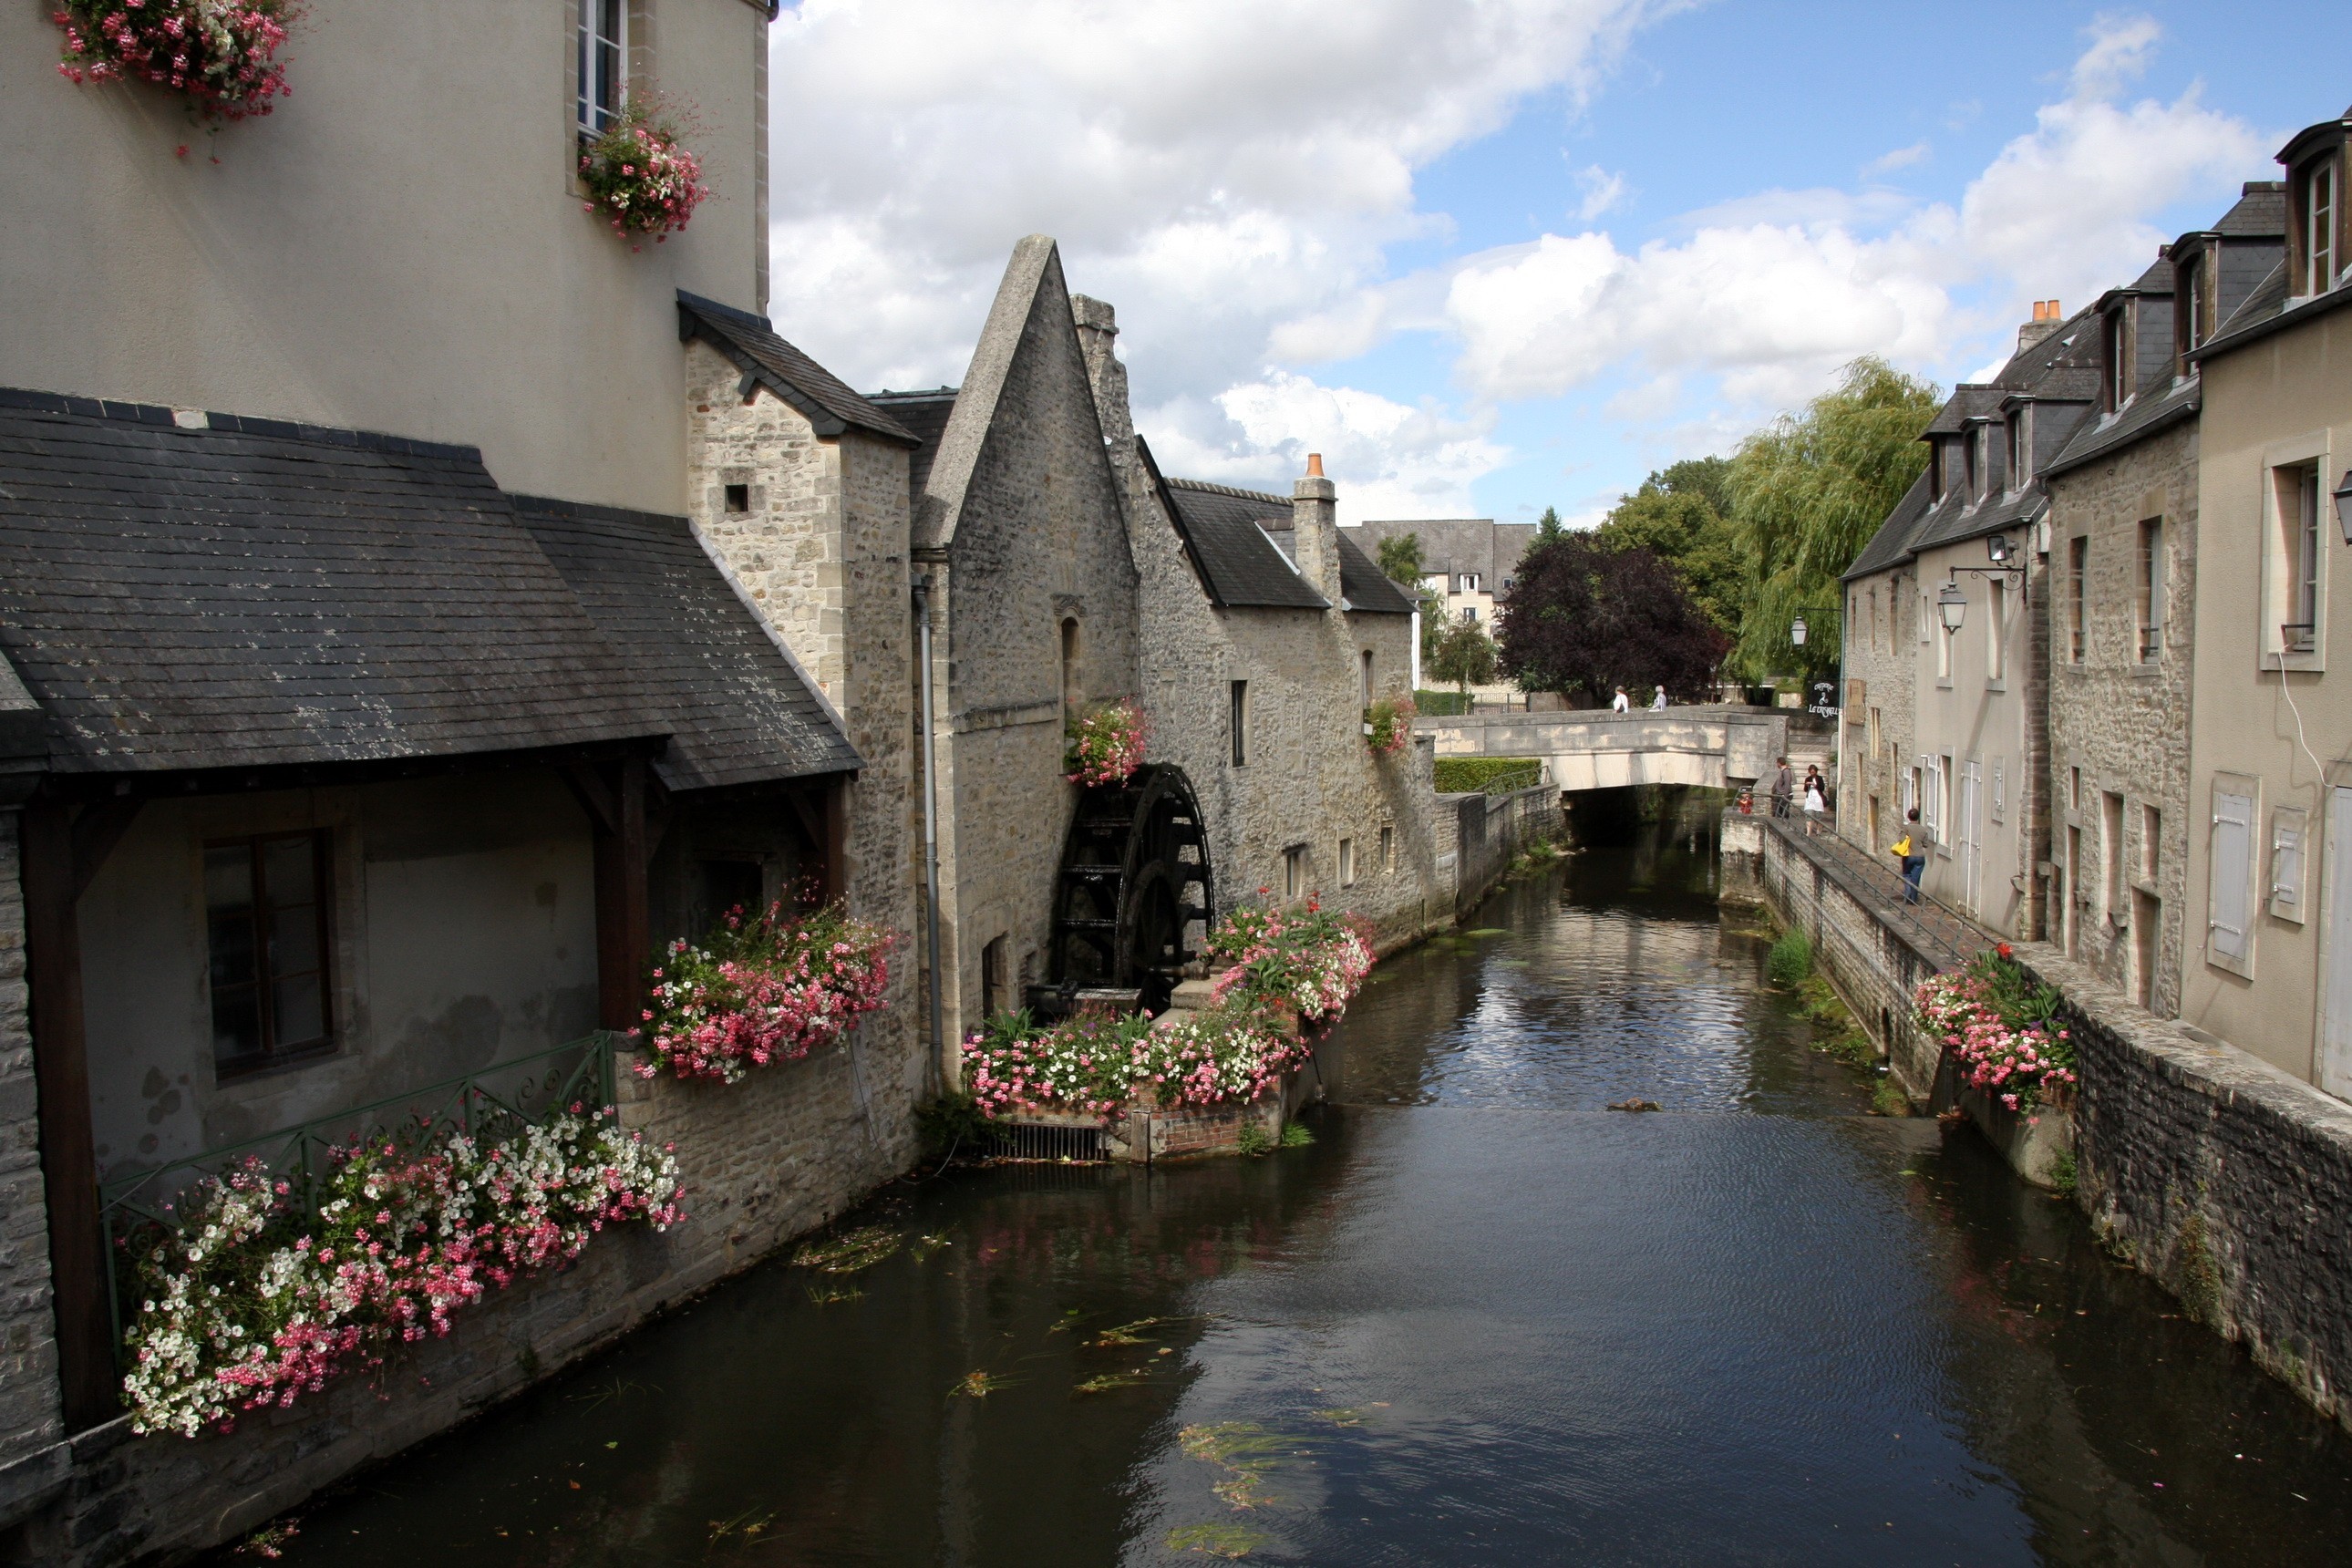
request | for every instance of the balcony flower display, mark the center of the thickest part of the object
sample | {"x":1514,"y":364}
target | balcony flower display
{"x":2001,"y":1030}
{"x":1305,"y":958}
{"x":221,"y":55}
{"x":247,"y":1301}
{"x":760,"y":989}
{"x":1105,"y":745}
{"x":1388,"y":725}
{"x":1096,"y":1063}
{"x":640,"y":175}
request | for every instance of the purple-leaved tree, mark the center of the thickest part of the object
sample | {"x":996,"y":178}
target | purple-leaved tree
{"x":1584,"y":620}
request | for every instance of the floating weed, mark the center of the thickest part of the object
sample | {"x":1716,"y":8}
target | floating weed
{"x":849,"y":1251}
{"x":270,"y":1541}
{"x":1247,"y":1452}
{"x":1228,"y":1541}
{"x":978,"y":1385}
{"x":1341,"y":1418}
{"x":1069,"y":1321}
{"x":1295,"y":1135}
{"x":745,"y":1527}
{"x":1126,"y":1333}
{"x":604,"y":1394}
{"x":832,"y":1295}
{"x":924,"y":1246}
{"x":1111,"y":1380}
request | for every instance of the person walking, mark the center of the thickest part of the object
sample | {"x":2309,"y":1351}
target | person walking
{"x":1658,"y":700}
{"x":1817,"y":803}
{"x":1623,"y":704}
{"x":1784,"y":785}
{"x":1912,"y":850}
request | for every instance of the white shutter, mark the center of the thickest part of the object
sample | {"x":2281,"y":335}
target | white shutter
{"x":2233,"y":841}
{"x":2335,"y":1023}
{"x":2286,"y":863}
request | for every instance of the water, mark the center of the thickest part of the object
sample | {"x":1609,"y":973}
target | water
{"x":1481,"y":1320}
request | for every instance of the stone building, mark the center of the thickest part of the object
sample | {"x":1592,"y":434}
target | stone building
{"x":2268,"y":961}
{"x":1466,"y":561}
{"x":1945,"y":642}
{"x":2124,"y":550}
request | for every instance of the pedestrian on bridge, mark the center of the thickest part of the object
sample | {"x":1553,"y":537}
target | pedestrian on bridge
{"x":1784,"y":785}
{"x":1623,"y":704}
{"x":1658,"y":700}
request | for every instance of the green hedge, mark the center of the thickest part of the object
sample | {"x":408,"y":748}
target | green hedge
{"x":1495,"y":775}
{"x":1441,"y":704}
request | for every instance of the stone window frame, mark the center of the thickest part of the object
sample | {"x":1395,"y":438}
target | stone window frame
{"x":2246,"y":791}
{"x":1237,"y":712}
{"x":1296,"y":873}
{"x":1347,"y":862}
{"x":2304,"y":462}
{"x":2151,"y":585}
{"x":1388,"y":850}
{"x":2078,"y":595}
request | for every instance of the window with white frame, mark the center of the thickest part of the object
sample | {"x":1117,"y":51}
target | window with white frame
{"x":2295,"y":561}
{"x":2150,"y":582}
{"x":2320,"y":198}
{"x":602,"y":49}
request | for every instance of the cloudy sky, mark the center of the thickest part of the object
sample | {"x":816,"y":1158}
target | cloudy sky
{"x":1492,"y":255}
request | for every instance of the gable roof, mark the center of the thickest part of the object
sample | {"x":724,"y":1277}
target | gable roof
{"x":1367,"y":589}
{"x":1227,"y":531}
{"x":751,"y":343}
{"x":744,"y":712}
{"x":925,"y":416}
{"x":259,"y":593}
{"x":1454,"y":545}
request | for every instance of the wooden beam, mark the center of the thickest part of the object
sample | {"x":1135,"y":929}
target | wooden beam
{"x":596,"y":796}
{"x":86,"y":1370}
{"x":624,"y":919}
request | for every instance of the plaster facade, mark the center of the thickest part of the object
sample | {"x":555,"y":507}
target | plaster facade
{"x":1878,"y":731}
{"x":253,"y":274}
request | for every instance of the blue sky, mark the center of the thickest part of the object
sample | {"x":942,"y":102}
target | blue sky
{"x":1491,"y":255}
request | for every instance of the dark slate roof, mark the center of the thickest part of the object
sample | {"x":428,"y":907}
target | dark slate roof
{"x":1452,"y":545}
{"x":1891,"y":545}
{"x":1243,"y":567}
{"x":2261,"y":211}
{"x":744,"y":712}
{"x":925,"y":414}
{"x":1970,"y":400}
{"x":1366,"y":588}
{"x":2266,"y":311}
{"x":766,"y":360}
{"x":260,"y":593}
{"x":2158,"y":406}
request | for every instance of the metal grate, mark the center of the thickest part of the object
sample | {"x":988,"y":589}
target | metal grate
{"x":1048,"y":1141}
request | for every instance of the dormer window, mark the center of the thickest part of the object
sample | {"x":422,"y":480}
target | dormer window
{"x":1977,"y":464}
{"x":2319,"y":202}
{"x":2020,"y":432}
{"x":2190,"y":289}
{"x":602,"y":46}
{"x":2115,"y":386}
{"x":1936,"y":469}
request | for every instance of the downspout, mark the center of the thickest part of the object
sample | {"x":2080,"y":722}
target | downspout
{"x":931,"y":821}
{"x":1416,"y":650}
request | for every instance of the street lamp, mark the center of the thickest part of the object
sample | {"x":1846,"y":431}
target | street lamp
{"x":2000,"y":549}
{"x":1797,"y":626}
{"x":1953,"y":605}
{"x":2344,"y":506}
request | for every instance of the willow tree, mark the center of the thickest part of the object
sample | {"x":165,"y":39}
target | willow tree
{"x":1807,"y":492}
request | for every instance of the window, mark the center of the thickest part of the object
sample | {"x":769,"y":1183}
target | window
{"x":2320,"y":225}
{"x":1975,"y":450}
{"x":1388,"y":850}
{"x":1469,"y":582}
{"x":2149,"y":582}
{"x":2073,"y":789}
{"x":1074,"y":694}
{"x":2151,"y":841}
{"x":266,"y":926}
{"x":2114,"y":381}
{"x":2298,"y":572}
{"x":2230,"y":939}
{"x":995,"y":984}
{"x":739,"y":498}
{"x":2287,"y":857}
{"x":1935,"y":469}
{"x":1367,"y":678}
{"x":2014,"y":450}
{"x":603,"y":61}
{"x":1470,"y":612}
{"x":2111,"y":856}
{"x":1237,"y":721}
{"x":1931,"y":796}
{"x":2078,"y":566}
{"x":1347,"y":862}
{"x":1294,"y":871}
{"x":1944,"y":640}
{"x":1996,"y":628}
{"x":2190,"y":289}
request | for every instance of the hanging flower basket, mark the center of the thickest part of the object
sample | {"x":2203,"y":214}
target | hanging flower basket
{"x":2002,"y":1031}
{"x":1106,"y":745}
{"x":763,"y":989}
{"x":221,"y":55}
{"x":640,"y":176}
{"x":1388,"y":725}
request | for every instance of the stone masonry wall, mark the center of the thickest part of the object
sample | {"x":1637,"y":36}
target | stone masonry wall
{"x":1877,"y":743}
{"x":29,"y":1410}
{"x":2122,"y":722}
{"x":763,"y":1159}
{"x":1492,"y":830}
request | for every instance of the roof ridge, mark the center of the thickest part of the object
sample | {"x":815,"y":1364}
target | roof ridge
{"x":161,"y":417}
{"x":1235,"y":490}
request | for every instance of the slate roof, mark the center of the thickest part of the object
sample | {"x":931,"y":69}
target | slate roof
{"x":2266,"y":311}
{"x":262,"y":593}
{"x":1366,"y":588}
{"x":1241,"y":565}
{"x":744,"y":710}
{"x":751,"y":343}
{"x":2261,"y":211}
{"x":1454,"y":545}
{"x":925,"y":416}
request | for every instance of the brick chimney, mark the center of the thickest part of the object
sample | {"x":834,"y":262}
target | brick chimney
{"x":1315,"y":534}
{"x":2047,"y":319}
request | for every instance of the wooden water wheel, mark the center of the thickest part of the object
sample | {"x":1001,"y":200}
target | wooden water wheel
{"x":1133,"y":881}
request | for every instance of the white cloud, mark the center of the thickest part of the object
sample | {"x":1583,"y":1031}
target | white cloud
{"x":2121,"y":48}
{"x":1901,"y":158}
{"x":1387,"y":458}
{"x":1603,"y":191}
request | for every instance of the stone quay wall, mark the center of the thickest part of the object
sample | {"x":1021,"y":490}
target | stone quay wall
{"x":764,"y":1160}
{"x":1490,"y":831}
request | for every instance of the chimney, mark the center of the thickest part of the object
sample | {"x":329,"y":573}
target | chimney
{"x":1314,"y":524}
{"x":2047,"y":319}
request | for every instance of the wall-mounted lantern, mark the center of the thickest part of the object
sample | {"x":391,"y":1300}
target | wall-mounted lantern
{"x":1953,"y":605}
{"x":2000,"y":549}
{"x":1797,"y":630}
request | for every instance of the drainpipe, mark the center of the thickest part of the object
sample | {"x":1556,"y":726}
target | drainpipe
{"x":931,"y":820}
{"x":1416,"y":648}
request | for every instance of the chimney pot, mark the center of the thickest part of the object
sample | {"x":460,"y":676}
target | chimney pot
{"x":1314,"y":465}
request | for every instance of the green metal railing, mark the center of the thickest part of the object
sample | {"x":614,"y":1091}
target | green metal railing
{"x":491,"y":1103}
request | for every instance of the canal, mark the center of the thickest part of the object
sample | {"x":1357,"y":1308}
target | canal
{"x":1482,"y":1319}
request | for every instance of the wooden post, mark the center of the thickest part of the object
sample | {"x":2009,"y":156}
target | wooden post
{"x":623,"y":920}
{"x":85,"y":1368}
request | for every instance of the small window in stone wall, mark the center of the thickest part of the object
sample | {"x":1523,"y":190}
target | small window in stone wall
{"x":995,"y":977}
{"x":1237,"y":721}
{"x":1388,"y":850}
{"x":739,"y":498}
{"x":1294,"y":871}
{"x":1347,"y":862}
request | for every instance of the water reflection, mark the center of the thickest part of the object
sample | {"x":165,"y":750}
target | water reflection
{"x":1483,"y":1319}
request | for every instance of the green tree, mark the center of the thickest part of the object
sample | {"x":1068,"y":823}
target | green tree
{"x":1807,"y":492}
{"x":1400,"y":557}
{"x":1548,"y":526}
{"x":1681,"y":515}
{"x":1464,"y":656}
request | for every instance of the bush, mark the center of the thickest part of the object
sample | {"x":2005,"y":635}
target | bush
{"x":1492,"y":775}
{"x":1790,"y":961}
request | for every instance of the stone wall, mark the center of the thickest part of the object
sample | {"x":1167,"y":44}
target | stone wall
{"x":2222,"y":1177}
{"x":30,"y":1416}
{"x":763,"y":1159}
{"x":1490,"y":831}
{"x":2120,"y":724}
{"x":1880,"y":735}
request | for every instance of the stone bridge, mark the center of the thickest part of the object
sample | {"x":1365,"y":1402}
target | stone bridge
{"x":1719,"y":747}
